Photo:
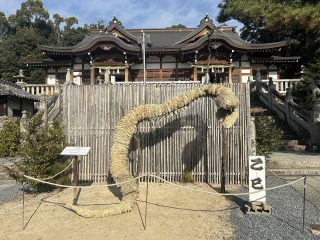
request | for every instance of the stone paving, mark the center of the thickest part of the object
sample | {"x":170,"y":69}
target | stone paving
{"x":312,"y":181}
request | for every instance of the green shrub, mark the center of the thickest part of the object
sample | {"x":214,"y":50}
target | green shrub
{"x":267,"y":136}
{"x":40,"y":151}
{"x":9,"y":138}
{"x":187,"y":176}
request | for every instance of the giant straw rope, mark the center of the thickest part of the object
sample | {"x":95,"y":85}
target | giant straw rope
{"x":224,"y":98}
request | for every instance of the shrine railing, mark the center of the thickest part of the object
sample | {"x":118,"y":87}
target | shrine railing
{"x":39,"y":89}
{"x":305,"y":123}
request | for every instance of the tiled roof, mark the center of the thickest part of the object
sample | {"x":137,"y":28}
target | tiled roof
{"x":162,"y":39}
{"x":10,"y":89}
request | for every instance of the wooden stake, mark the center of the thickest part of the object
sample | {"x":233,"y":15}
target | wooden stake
{"x":75,"y":179}
{"x":224,"y":159}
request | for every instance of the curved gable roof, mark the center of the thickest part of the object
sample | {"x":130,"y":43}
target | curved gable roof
{"x":166,"y":39}
{"x":88,"y":44}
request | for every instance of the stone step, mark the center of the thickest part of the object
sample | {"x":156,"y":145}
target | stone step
{"x":291,"y":164}
{"x":292,"y":171}
{"x":293,"y":142}
{"x":289,"y":136}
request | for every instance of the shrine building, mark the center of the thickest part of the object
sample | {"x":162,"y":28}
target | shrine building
{"x":208,"y":53}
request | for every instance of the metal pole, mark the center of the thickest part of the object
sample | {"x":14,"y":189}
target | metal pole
{"x":145,"y":215}
{"x":304,"y":201}
{"x":75,"y":178}
{"x":224,"y":159}
{"x":144,"y":56}
{"x":23,"y":190}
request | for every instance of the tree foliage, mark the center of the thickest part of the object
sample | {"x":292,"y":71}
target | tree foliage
{"x":40,"y":150}
{"x":9,"y":138}
{"x":178,"y":26}
{"x":267,"y":136}
{"x":22,"y":32}
{"x":297,"y":21}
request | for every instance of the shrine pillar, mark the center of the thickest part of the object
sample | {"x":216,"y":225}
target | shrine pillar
{"x":195,"y":73}
{"x":126,"y":74}
{"x":92,"y":76}
{"x":230,"y":74}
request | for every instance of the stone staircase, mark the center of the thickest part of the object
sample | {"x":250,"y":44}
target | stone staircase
{"x":291,"y":159}
{"x":290,"y":141}
{"x":294,"y":163}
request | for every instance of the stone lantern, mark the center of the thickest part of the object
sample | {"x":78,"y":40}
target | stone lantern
{"x":20,"y":78}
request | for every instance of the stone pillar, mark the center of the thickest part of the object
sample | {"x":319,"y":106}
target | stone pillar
{"x":258,"y":82}
{"x":270,"y":92}
{"x":57,"y":91}
{"x":315,"y":124}
{"x":24,"y":122}
{"x":44,"y":108}
{"x":68,"y":76}
{"x":106,"y":77}
{"x":288,"y":100}
{"x":57,"y":87}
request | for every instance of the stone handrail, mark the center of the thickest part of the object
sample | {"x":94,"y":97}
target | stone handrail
{"x":305,"y":123}
{"x":281,"y":85}
{"x":51,"y":105}
{"x":39,"y":89}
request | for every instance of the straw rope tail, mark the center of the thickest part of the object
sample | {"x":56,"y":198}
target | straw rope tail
{"x":224,"y":98}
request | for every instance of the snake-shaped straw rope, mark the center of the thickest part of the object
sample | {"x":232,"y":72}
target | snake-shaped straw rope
{"x":224,"y":98}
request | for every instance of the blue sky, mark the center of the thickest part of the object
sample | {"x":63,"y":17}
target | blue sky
{"x":132,"y":13}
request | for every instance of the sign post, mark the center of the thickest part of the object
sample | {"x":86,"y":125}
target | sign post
{"x":257,"y":186}
{"x":75,"y":151}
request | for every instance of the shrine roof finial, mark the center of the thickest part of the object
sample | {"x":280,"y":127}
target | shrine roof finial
{"x":116,"y":21}
{"x":206,"y":20}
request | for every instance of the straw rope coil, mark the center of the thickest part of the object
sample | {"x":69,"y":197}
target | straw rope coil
{"x":224,"y":98}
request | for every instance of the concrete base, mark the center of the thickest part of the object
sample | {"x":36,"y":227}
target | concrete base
{"x":258,"y":208}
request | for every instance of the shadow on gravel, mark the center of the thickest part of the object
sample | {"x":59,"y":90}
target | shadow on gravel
{"x":239,"y":201}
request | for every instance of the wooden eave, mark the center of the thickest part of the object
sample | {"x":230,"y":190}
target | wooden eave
{"x":234,"y":44}
{"x":275,"y":59}
{"x":108,"y":63}
{"x":88,"y":46}
{"x":50,"y":63}
{"x":212,"y":62}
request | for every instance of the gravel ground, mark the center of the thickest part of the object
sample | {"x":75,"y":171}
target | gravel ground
{"x":9,"y":190}
{"x":286,"y":220}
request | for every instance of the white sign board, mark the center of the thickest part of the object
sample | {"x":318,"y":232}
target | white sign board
{"x":257,"y":179}
{"x":76,"y":151}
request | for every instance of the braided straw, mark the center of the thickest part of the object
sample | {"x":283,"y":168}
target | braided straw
{"x":225,"y":99}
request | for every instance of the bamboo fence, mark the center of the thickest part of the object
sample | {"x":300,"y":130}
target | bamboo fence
{"x":190,"y":139}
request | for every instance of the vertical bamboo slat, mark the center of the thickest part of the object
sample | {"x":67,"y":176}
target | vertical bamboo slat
{"x":190,"y":138}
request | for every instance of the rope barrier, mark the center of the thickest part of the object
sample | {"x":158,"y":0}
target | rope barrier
{"x":48,"y":178}
{"x":276,"y":175}
{"x":176,"y":185}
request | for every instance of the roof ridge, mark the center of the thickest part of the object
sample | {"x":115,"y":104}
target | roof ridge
{"x":6,"y":82}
